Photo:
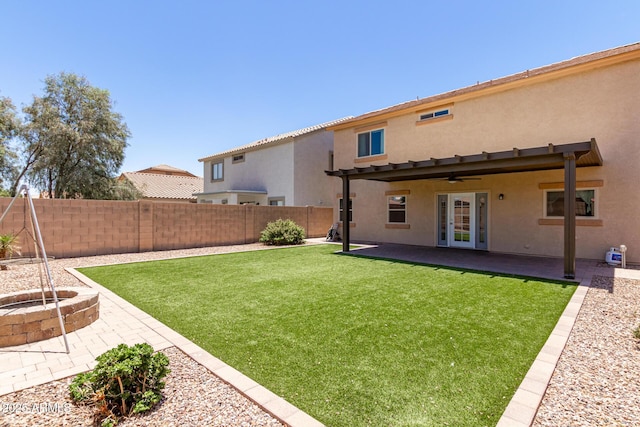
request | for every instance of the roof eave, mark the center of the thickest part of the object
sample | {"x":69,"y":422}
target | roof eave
{"x":528,"y":77}
{"x":248,"y":148}
{"x":275,"y":140}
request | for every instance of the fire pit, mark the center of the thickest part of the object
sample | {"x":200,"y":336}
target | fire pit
{"x":25,"y":319}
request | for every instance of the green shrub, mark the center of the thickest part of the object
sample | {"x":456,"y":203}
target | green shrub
{"x":282,"y":232}
{"x":636,"y":332}
{"x":126,"y":380}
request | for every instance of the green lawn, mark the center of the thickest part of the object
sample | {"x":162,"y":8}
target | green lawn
{"x":355,"y":341}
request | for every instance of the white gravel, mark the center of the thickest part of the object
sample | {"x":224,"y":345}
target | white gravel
{"x":597,"y":379}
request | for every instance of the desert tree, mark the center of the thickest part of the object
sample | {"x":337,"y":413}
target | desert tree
{"x":10,"y":126}
{"x":73,"y":142}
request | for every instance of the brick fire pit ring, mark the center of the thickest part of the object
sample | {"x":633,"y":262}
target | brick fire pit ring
{"x":24,"y":319}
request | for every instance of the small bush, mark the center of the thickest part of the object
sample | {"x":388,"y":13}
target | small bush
{"x":282,"y":232}
{"x":636,"y":333}
{"x":126,"y":380}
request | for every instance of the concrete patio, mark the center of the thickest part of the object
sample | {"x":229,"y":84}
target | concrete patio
{"x":534,"y":266}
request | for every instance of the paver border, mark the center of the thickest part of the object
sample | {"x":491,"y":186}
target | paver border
{"x":523,"y":406}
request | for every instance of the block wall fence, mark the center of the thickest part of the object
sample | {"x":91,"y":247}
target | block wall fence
{"x":74,"y":228}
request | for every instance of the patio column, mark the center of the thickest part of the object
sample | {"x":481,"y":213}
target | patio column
{"x":570,"y":215}
{"x":345,"y":213}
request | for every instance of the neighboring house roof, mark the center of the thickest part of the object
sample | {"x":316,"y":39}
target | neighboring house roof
{"x":256,"y":145}
{"x":160,"y":186}
{"x":574,"y":65}
{"x":166,"y":170}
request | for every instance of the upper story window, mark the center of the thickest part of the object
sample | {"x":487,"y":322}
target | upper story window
{"x":217,"y":172}
{"x":436,"y":113}
{"x":585,"y":203}
{"x":371,"y":143}
{"x":237,"y":158}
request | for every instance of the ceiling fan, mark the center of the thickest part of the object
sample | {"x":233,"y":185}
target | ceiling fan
{"x":452,"y":179}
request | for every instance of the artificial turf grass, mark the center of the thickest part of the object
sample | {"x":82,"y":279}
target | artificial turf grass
{"x":355,"y":341}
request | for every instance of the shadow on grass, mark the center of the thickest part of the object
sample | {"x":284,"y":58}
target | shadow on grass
{"x":461,"y":270}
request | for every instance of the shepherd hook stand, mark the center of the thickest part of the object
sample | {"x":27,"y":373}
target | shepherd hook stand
{"x":24,"y":190}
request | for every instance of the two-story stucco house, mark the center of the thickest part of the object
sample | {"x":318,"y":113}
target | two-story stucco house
{"x":282,"y":170}
{"x":545,"y":162}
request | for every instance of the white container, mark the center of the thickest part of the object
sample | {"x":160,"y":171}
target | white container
{"x":614,"y":257}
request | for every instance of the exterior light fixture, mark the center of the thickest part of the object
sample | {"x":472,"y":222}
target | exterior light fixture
{"x":500,"y":196}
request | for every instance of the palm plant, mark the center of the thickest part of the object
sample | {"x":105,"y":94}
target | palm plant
{"x":8,"y":245}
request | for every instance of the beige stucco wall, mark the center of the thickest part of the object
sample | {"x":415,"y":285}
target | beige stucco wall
{"x":312,"y":187}
{"x":603,"y":103}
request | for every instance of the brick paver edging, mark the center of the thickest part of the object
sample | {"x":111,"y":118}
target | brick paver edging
{"x":524,"y":404}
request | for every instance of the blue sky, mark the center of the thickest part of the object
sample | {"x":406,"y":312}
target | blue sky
{"x":193,"y":78}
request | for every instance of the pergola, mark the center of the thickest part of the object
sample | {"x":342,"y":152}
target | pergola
{"x":564,"y":156}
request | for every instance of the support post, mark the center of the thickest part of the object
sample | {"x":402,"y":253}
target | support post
{"x":570,"y":216}
{"x":25,"y":189}
{"x":345,"y":213}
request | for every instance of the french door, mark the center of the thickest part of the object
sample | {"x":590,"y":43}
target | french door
{"x":462,"y":220}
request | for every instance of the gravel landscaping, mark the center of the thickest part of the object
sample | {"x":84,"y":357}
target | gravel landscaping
{"x":596,"y":382}
{"x":193,"y":396}
{"x":597,"y":379}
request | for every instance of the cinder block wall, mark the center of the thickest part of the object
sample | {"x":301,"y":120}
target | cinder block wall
{"x":73,"y":228}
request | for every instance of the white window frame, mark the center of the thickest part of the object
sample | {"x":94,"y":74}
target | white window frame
{"x":217,"y":171}
{"x":389,"y":210}
{"x":552,"y":190}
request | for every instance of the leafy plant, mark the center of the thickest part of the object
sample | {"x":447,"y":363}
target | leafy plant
{"x":282,"y":232}
{"x":8,"y":245}
{"x":126,"y":380}
{"x":636,"y":332}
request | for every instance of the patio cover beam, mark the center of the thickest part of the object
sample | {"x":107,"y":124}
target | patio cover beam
{"x":516,"y":160}
{"x":564,"y":156}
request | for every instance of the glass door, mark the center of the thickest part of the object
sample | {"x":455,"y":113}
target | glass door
{"x":462,"y":220}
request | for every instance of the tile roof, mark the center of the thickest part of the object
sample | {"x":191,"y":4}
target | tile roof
{"x":156,"y":186}
{"x":613,"y":55}
{"x":166,"y":169}
{"x":275,"y":139}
